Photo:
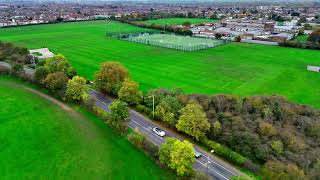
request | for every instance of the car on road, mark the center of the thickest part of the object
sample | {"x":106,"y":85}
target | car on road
{"x":158,"y":131}
{"x":197,"y":154}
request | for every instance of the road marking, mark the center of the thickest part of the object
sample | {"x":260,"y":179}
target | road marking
{"x":147,"y":131}
{"x":222,"y":167}
{"x":214,"y":170}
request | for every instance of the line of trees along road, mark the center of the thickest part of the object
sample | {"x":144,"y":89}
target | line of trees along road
{"x":267,"y":131}
{"x":281,"y":136}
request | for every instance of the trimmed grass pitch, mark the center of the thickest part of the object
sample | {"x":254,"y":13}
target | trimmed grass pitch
{"x":40,"y":140}
{"x":236,"y":68}
{"x":179,"y":21}
{"x":184,"y":43}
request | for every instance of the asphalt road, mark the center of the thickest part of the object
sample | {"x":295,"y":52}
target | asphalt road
{"x":217,"y":169}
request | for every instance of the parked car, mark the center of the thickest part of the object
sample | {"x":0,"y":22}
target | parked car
{"x":158,"y":131}
{"x":197,"y":154}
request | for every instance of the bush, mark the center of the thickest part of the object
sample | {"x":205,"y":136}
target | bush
{"x":89,"y":103}
{"x":101,"y":113}
{"x":136,"y":138}
{"x":151,"y":149}
{"x":225,"y":152}
{"x":143,"y":109}
{"x":16,"y":69}
{"x":248,"y":164}
{"x":139,"y":140}
{"x":40,"y":74}
{"x":196,"y":175}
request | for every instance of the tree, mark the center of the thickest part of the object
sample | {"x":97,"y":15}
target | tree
{"x":218,"y":36}
{"x":214,"y":16}
{"x":129,"y":92}
{"x":40,"y":74}
{"x":237,"y":38}
{"x":110,"y":77}
{"x":167,"y":110}
{"x":187,"y":24}
{"x":77,"y":89}
{"x":307,"y":26}
{"x":266,"y":129}
{"x":17,"y":68}
{"x":276,"y":170}
{"x":56,"y":81}
{"x":165,"y":150}
{"x":178,"y":156}
{"x":59,"y":63}
{"x":216,"y":128}
{"x":119,"y":114}
{"x":315,"y":36}
{"x":314,"y":173}
{"x":193,"y":121}
{"x":277,"y":147}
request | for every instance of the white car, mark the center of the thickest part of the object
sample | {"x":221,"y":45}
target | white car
{"x":158,"y":131}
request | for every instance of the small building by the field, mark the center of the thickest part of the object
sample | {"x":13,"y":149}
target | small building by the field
{"x":313,"y":68}
{"x":42,"y":53}
{"x":281,"y":37}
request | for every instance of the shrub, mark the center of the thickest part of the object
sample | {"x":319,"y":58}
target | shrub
{"x":55,"y":81}
{"x":196,"y":175}
{"x":136,"y":138}
{"x":150,"y":148}
{"x":225,"y":152}
{"x":16,"y":69}
{"x":248,"y":164}
{"x":101,"y":113}
{"x":89,"y":103}
{"x":276,"y":170}
{"x":40,"y":74}
{"x":143,"y":109}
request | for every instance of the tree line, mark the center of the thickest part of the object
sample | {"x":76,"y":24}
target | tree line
{"x":182,"y":30}
{"x":313,"y":42}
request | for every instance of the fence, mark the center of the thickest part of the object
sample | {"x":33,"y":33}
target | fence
{"x":183,"y":43}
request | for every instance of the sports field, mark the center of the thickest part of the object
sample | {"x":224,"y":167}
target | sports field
{"x":44,"y":140}
{"x":179,"y":21}
{"x":184,"y":43}
{"x":240,"y":69}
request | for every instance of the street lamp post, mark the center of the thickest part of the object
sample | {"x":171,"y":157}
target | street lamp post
{"x":152,"y":105}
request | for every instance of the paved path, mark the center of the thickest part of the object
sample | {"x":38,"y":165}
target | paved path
{"x":217,"y":169}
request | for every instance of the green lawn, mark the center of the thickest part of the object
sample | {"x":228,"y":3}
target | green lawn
{"x":240,"y":69}
{"x":177,"y":21}
{"x":40,"y":140}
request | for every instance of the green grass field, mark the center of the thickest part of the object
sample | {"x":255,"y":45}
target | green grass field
{"x":40,"y":140}
{"x":184,"y":43}
{"x":178,"y":21}
{"x":240,"y":69}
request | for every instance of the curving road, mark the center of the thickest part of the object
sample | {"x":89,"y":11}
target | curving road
{"x":217,"y":169}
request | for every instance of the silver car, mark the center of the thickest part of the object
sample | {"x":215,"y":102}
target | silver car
{"x":158,"y":131}
{"x":197,"y":154}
